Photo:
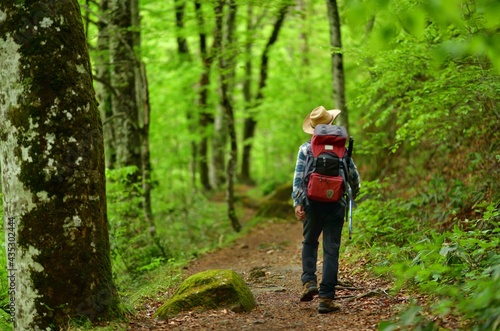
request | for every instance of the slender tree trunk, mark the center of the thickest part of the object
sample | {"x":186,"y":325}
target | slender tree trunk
{"x":86,"y":19}
{"x":227,"y":105}
{"x":247,"y":95}
{"x":337,"y":62}
{"x":304,"y":37}
{"x":185,"y":56}
{"x":247,"y":80}
{"x":250,"y":121}
{"x":104,"y":90}
{"x":144,"y":110}
{"x":182,"y":45}
{"x":52,"y":161}
{"x":146,"y":158}
{"x":206,"y":118}
{"x":228,"y":55}
{"x":219,"y":150}
{"x":124,"y":101}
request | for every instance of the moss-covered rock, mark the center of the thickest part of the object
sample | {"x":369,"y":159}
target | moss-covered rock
{"x":278,"y":204}
{"x":212,"y":289}
{"x":282,"y":193}
{"x":276,"y":209}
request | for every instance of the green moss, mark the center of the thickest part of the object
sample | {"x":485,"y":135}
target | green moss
{"x":55,"y":138}
{"x":276,"y":208}
{"x":277,"y":204}
{"x":212,"y":289}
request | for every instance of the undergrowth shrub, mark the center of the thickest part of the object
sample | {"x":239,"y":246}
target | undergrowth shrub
{"x":459,"y":269}
{"x":384,"y":220}
{"x":134,"y":247}
{"x":186,"y":223}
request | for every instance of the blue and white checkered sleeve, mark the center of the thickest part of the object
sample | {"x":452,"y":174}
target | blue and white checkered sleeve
{"x":298,"y":177}
{"x":354,"y":178}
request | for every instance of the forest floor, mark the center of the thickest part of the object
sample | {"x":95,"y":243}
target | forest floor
{"x":268,"y":259}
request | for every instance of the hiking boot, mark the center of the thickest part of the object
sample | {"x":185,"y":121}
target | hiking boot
{"x":326,"y":305}
{"x":310,"y":290}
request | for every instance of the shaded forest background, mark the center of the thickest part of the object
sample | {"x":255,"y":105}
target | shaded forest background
{"x":220,"y":90}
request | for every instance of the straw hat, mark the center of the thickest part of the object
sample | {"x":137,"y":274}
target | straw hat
{"x":319,"y":115}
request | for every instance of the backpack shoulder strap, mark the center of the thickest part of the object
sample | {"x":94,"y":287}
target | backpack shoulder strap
{"x":310,"y":162}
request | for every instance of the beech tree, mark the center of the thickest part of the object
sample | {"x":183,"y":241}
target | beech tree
{"x":123,"y":80}
{"x":52,"y":160}
{"x":104,"y":90}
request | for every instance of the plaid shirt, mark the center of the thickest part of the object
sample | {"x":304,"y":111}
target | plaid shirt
{"x":298,"y":194}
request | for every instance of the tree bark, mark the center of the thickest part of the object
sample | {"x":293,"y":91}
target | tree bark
{"x":206,"y":118}
{"x":227,"y":54}
{"x":123,"y":80}
{"x":104,"y":91}
{"x":247,"y":80}
{"x":302,"y":8}
{"x":146,"y":159}
{"x":250,"y":121}
{"x":52,"y":160}
{"x":182,"y":45}
{"x":144,"y":110}
{"x":185,"y":56}
{"x":226,"y":101}
{"x":337,"y":63}
{"x":248,"y":128}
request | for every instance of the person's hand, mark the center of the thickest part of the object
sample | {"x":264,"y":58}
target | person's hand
{"x":300,"y":213}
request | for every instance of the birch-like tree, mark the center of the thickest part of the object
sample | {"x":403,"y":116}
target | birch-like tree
{"x":52,"y":162}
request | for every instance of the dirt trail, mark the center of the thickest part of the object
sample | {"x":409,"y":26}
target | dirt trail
{"x":268,"y":259}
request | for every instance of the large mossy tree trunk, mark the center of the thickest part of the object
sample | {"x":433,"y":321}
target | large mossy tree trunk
{"x":52,"y":160}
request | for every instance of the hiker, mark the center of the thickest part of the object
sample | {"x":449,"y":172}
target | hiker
{"x":317,"y":217}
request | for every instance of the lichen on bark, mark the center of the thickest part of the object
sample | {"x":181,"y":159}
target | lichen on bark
{"x":53,"y":166}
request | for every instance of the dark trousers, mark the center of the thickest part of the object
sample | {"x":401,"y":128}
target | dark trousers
{"x":329,"y":219}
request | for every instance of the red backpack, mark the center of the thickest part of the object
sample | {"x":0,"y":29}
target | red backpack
{"x":326,"y":167}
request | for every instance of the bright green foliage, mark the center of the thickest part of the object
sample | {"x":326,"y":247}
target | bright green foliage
{"x":459,"y":268}
{"x":431,"y":117}
{"x":183,"y":230}
{"x":423,"y":90}
{"x":132,"y":247}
